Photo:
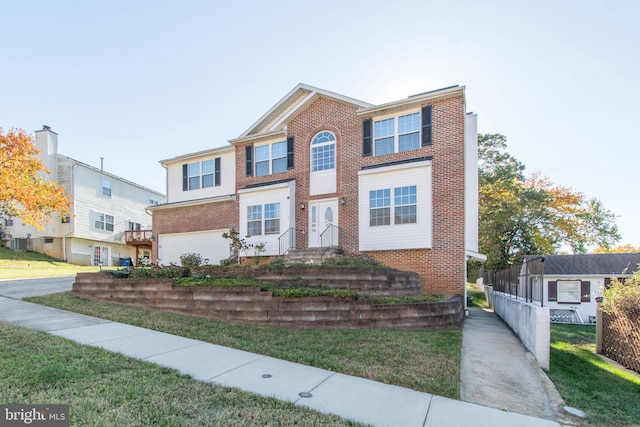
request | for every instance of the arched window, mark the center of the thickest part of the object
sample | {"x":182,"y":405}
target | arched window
{"x":323,"y":151}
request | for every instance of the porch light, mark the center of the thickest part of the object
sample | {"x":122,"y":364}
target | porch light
{"x":302,"y":205}
{"x":342,"y":200}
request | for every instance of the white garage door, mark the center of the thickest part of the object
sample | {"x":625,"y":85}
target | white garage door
{"x":209,"y":244}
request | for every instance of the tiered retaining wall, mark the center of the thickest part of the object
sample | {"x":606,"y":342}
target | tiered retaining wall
{"x":369,"y":282}
{"x":255,"y":307}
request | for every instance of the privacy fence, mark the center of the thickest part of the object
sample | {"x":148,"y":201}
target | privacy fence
{"x":621,"y":337}
{"x":520,"y":281}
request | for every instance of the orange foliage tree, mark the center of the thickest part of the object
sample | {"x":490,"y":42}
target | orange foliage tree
{"x":24,"y":191}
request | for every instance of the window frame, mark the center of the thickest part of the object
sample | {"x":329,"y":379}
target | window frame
{"x":269,"y":159}
{"x":381,"y":200}
{"x":575,"y":293}
{"x":385,"y":129}
{"x":106,"y":188}
{"x":103,"y":221}
{"x":320,"y":154}
{"x":199,"y":175}
{"x":265,"y":218}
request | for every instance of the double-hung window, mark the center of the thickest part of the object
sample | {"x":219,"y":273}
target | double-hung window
{"x":198,"y":175}
{"x":404,"y":200}
{"x":271,"y":158}
{"x":263,"y":217}
{"x":254,"y":220}
{"x":103,"y":222}
{"x":403,"y":204}
{"x":397,"y":134}
{"x":106,"y":188}
{"x":272,"y":218}
{"x":379,"y":207}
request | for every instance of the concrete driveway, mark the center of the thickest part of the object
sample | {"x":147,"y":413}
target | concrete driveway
{"x":18,"y":289}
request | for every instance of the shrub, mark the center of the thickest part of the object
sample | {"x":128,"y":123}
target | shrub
{"x":623,"y":296}
{"x":276,"y":262}
{"x":191,"y":260}
{"x":171,"y":272}
{"x":358,"y":261}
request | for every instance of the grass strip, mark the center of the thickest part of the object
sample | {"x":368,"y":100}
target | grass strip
{"x":608,"y":396}
{"x":109,"y":389}
{"x":426,"y":360}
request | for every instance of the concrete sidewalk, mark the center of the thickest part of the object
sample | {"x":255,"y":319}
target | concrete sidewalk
{"x":350,"y":397}
{"x":498,"y":371}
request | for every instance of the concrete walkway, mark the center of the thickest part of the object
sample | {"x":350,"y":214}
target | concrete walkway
{"x":498,"y":371}
{"x":350,"y":397}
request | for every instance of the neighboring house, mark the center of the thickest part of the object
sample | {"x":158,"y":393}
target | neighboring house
{"x":109,"y":218}
{"x":397,"y":181}
{"x":572,"y":282}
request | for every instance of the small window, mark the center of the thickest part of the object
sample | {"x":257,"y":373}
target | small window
{"x":103,"y":222}
{"x":379,"y":207}
{"x":8,"y":222}
{"x":106,"y":188}
{"x":153,"y":201}
{"x":569,"y":291}
{"x":254,"y":220}
{"x":48,"y":240}
{"x":66,"y":219}
{"x":272,"y":218}
{"x":405,"y":205}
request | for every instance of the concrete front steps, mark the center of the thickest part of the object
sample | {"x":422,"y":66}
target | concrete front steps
{"x":311,"y":255}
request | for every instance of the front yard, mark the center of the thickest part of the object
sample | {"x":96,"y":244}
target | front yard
{"x":426,"y":360}
{"x":609,"y":396}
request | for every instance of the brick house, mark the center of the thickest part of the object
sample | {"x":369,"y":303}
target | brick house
{"x":396,"y":181}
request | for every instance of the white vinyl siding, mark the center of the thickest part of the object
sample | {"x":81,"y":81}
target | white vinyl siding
{"x":175,"y":191}
{"x":269,"y":209}
{"x":397,"y":216}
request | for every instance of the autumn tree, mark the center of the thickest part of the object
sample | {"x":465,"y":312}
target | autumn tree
{"x":626,"y":249}
{"x":522,"y":215}
{"x":24,"y":191}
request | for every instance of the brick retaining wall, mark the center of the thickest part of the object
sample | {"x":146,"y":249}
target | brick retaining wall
{"x":255,"y":307}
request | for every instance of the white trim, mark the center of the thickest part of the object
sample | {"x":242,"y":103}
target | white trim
{"x":261,"y":137}
{"x":264,"y":187}
{"x":217,"y":199}
{"x":410,"y":103}
{"x":212,"y":151}
{"x":401,"y":166}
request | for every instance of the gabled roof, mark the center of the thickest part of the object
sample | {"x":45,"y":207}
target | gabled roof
{"x":274,"y":120}
{"x":619,"y":265}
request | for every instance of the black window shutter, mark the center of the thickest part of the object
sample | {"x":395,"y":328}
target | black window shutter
{"x":426,"y":126}
{"x":216,"y":171}
{"x":585,"y":291}
{"x":367,"y":140}
{"x":185,"y":177}
{"x":290,"y":152}
{"x":249,"y":159}
{"x":553,"y":291}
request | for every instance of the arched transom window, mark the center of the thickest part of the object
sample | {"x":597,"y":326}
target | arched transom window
{"x":323,"y":151}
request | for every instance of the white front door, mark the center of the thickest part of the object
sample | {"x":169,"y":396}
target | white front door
{"x":323,"y":214}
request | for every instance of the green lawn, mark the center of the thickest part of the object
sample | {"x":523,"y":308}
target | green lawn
{"x":25,"y":265}
{"x":427,"y":360}
{"x":108,"y":389}
{"x":609,"y":396}
{"x":478,"y":298}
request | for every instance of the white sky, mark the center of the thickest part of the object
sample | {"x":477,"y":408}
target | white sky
{"x":136,"y":82}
